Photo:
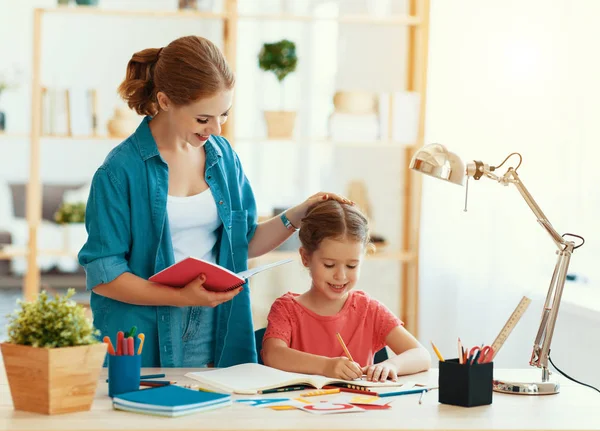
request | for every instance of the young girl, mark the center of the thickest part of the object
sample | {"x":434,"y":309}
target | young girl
{"x":301,"y":330}
{"x":175,"y":188}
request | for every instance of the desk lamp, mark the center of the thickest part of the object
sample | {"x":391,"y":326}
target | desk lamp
{"x":436,"y":161}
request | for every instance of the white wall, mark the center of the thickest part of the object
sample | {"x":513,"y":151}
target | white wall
{"x":510,"y":76}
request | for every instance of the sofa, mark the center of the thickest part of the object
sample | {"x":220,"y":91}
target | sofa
{"x":14,"y":229}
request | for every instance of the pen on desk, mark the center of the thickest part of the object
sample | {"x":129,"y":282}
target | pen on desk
{"x":156,"y":383}
{"x":152,"y":376}
{"x":346,"y":351}
{"x":437,"y":352}
{"x":285,"y":389}
{"x":199,"y":388}
{"x":422,"y":395}
{"x":407,"y":392}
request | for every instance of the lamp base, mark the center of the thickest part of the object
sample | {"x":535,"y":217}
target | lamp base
{"x":526,"y":388}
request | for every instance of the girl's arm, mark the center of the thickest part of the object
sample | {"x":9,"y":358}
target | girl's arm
{"x":410,"y":357}
{"x":277,"y":354}
{"x":272,"y":233}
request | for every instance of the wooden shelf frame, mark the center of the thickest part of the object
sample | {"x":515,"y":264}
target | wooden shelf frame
{"x":417,"y":23}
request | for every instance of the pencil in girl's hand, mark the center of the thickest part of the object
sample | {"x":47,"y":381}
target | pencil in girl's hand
{"x":437,"y":352}
{"x":346,"y":351}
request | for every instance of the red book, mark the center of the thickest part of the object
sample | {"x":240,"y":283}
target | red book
{"x":218,"y":279}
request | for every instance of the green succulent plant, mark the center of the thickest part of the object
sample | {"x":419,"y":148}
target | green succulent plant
{"x":50,"y":323}
{"x":70,"y":213}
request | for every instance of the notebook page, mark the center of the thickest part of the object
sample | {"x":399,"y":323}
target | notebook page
{"x":253,"y":271}
{"x":251,"y":378}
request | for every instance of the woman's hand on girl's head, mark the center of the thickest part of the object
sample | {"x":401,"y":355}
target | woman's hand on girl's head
{"x":342,"y":368}
{"x":381,"y":372}
{"x":297,"y":213}
{"x":194,"y":294}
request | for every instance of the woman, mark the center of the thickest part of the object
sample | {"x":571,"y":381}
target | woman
{"x":175,"y":188}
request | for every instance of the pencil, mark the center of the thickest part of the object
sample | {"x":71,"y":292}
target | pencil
{"x":346,"y":351}
{"x":155,"y":384}
{"x":284,"y":389}
{"x":437,"y":352}
{"x":350,"y":390}
{"x":319,"y":392}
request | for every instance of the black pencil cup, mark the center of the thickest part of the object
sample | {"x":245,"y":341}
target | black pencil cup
{"x":465,"y":385}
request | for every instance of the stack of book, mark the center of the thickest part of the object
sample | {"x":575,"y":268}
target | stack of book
{"x":170,"y":401}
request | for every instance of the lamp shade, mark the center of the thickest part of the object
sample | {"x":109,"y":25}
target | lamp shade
{"x":436,"y":161}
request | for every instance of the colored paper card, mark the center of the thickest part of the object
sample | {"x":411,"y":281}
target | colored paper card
{"x":359,"y":400}
{"x":262,"y":402}
{"x":327,"y":408}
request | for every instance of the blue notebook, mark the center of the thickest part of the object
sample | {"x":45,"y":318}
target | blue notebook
{"x":169,"y":400}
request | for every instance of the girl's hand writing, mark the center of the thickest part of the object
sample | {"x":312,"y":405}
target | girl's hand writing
{"x":194,"y":294}
{"x":381,"y":372}
{"x":342,"y":368}
{"x":297,"y":213}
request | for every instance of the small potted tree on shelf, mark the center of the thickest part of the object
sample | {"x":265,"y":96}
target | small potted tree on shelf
{"x":52,"y":357}
{"x":72,"y":216}
{"x":5,"y":84}
{"x":280,"y":59}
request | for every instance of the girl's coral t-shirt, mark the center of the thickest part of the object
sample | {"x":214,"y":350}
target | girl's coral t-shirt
{"x":363,"y":323}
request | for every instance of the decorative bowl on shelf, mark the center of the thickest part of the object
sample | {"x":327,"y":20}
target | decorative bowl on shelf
{"x":355,"y":102}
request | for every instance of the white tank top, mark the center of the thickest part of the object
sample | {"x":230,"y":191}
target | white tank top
{"x":193,"y":221}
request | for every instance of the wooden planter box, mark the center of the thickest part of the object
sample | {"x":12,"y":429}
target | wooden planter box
{"x":280,"y":124}
{"x":53,"y":381}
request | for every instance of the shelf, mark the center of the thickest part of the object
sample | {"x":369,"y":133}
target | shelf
{"x":94,"y":10}
{"x":14,"y":135}
{"x":81,"y":138}
{"x":62,"y":137}
{"x":325,"y":141}
{"x":187,"y":14}
{"x":382,"y":255}
{"x":352,"y":19}
{"x":9,"y":252}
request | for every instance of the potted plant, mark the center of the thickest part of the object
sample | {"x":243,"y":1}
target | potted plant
{"x":71,"y":216}
{"x":5,"y":84}
{"x":52,"y":357}
{"x":280,"y":59}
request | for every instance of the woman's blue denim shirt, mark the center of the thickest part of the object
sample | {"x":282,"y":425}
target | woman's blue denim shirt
{"x":128,"y":231}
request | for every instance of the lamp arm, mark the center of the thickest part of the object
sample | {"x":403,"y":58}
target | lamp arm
{"x":512,"y":176}
{"x":541,"y":346}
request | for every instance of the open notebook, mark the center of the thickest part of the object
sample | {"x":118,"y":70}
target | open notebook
{"x":250,"y":378}
{"x":218,"y":278}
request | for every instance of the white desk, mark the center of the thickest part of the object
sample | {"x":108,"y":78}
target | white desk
{"x":575,"y":408}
